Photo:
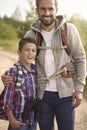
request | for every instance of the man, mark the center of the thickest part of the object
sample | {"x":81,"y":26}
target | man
{"x":60,"y":94}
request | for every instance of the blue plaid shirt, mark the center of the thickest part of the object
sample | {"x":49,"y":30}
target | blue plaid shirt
{"x":18,"y":93}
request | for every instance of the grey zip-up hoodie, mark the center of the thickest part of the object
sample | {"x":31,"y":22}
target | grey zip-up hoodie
{"x":65,"y":86}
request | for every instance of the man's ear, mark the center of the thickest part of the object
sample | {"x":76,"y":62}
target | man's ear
{"x":56,"y":10}
{"x":36,"y":10}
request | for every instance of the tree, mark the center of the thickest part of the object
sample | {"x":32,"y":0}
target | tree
{"x":81,"y":24}
{"x":7,"y":31}
{"x":17,"y":14}
{"x":31,"y":14}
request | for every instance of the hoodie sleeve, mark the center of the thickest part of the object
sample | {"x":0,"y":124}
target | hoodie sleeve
{"x":79,"y":56}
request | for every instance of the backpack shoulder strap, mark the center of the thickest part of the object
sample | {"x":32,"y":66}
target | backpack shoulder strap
{"x":64,"y":38}
{"x":19,"y":75}
{"x":38,"y":41}
{"x":38,"y":38}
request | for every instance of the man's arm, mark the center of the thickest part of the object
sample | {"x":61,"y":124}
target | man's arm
{"x":79,"y":56}
{"x":6,"y":79}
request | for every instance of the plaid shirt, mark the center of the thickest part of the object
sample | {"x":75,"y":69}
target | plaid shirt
{"x":18,"y":93}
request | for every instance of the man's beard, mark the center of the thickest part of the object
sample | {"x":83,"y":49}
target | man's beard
{"x":47,"y":23}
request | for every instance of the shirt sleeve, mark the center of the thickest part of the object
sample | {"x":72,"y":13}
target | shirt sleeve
{"x":9,"y":91}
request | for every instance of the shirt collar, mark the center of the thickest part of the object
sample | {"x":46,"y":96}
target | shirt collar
{"x":25,"y":70}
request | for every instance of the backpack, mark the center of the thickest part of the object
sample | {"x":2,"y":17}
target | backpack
{"x":68,"y":70}
{"x":3,"y":115}
{"x":64,"y":39}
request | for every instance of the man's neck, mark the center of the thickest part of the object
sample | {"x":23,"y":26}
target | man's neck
{"x":48,"y":28}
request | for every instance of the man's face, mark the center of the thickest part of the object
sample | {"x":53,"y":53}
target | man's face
{"x":46,"y":11}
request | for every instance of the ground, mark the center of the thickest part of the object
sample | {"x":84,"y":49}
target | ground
{"x":6,"y":61}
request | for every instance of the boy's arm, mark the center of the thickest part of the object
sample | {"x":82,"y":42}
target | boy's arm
{"x":13,"y":122}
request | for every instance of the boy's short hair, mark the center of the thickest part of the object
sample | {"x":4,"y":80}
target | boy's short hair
{"x":23,"y":41}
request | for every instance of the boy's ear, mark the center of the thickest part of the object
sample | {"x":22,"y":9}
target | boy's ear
{"x":19,"y":52}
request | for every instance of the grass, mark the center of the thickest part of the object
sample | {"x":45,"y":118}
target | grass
{"x":9,"y":45}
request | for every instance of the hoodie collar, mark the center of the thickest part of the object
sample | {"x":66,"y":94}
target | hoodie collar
{"x":60,"y":20}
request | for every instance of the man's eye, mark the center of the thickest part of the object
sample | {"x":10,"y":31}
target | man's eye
{"x":50,"y":9}
{"x":42,"y":9}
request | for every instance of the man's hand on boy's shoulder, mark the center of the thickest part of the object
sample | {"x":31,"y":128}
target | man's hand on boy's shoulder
{"x":6,"y":79}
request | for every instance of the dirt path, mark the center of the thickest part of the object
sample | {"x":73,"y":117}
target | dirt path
{"x":6,"y":61}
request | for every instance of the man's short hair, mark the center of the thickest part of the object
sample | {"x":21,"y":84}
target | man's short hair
{"x":37,"y":3}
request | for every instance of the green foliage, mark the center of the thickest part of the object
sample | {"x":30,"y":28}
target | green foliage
{"x":31,"y":13}
{"x":12,"y":28}
{"x":7,"y":31}
{"x":22,"y":28}
{"x":81,"y":25}
{"x":10,"y":31}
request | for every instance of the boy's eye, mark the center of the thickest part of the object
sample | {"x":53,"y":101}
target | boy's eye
{"x":33,"y":50}
{"x":28,"y":50}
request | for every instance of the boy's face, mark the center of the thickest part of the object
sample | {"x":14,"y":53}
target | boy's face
{"x":28,"y":53}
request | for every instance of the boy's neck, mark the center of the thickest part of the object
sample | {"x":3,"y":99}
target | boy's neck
{"x":27,"y":66}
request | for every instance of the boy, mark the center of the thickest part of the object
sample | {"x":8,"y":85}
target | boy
{"x":23,"y":88}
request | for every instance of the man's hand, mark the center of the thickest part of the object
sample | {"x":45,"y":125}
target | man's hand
{"x":77,"y":98}
{"x":6,"y":79}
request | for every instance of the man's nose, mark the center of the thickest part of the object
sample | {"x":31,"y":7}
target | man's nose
{"x":47,"y":12}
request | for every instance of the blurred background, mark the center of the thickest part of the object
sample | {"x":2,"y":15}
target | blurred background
{"x":16,"y":18}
